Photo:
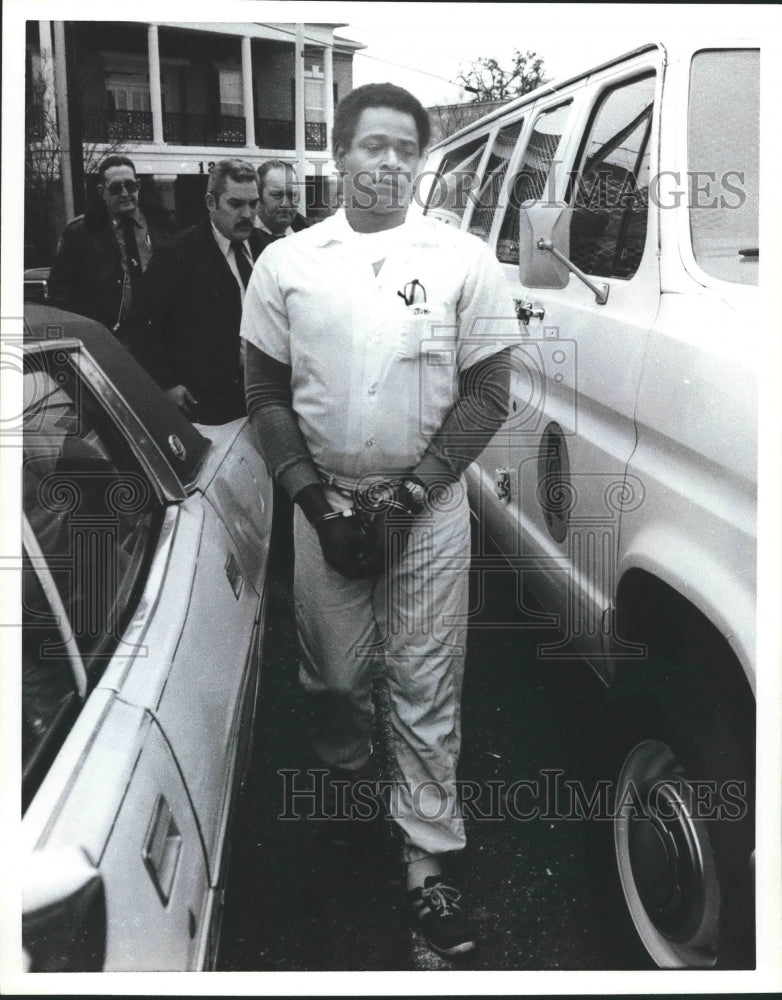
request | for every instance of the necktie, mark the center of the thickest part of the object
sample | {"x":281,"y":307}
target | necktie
{"x":132,"y":258}
{"x":242,"y":261}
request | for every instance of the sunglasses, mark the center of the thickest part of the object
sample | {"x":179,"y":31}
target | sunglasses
{"x":116,"y":187}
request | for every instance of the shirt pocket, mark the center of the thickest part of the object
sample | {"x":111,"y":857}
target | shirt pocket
{"x":425,"y":330}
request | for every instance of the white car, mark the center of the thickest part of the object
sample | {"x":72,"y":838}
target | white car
{"x":144,"y":585}
{"x":623,"y":206}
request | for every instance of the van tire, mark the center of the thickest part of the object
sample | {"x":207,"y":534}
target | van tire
{"x":682,"y":819}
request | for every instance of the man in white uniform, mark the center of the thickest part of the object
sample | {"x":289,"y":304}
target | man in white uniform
{"x":377,"y":367}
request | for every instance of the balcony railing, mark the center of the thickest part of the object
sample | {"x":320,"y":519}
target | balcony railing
{"x":315,"y":135}
{"x":100,"y":125}
{"x":203,"y":130}
{"x":275,"y":133}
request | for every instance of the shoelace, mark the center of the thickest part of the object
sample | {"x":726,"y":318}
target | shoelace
{"x":442,"y":898}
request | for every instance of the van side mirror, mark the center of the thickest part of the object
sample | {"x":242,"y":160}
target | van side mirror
{"x":544,"y":246}
{"x":549,"y":221}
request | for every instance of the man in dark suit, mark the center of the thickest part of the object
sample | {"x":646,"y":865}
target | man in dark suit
{"x":192,"y":294}
{"x":102,"y":254}
{"x":278,"y":217}
{"x":277,"y":211}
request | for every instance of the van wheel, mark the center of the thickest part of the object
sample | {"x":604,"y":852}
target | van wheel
{"x":665,"y":860}
{"x":681,"y":823}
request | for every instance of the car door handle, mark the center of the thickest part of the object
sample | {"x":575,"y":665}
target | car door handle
{"x":161,"y":848}
{"x":525,"y":311}
{"x":234,"y":575}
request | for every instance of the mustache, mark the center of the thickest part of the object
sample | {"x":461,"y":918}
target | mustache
{"x":390,"y":177}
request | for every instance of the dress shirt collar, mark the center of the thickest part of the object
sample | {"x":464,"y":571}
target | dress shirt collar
{"x":135,"y":215}
{"x":225,"y":244}
{"x":265,"y":229}
{"x":337,"y":229}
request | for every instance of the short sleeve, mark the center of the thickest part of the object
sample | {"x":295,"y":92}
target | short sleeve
{"x":264,"y":316}
{"x":485,"y":312}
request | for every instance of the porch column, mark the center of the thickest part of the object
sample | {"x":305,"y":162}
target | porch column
{"x":63,"y":120}
{"x":47,"y":65}
{"x":155,"y":99}
{"x":298,"y":87}
{"x":328,"y":97}
{"x":247,"y":93}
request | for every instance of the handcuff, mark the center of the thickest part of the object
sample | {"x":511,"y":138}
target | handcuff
{"x":380,"y":497}
{"x":417,"y":492}
{"x":332,"y":514}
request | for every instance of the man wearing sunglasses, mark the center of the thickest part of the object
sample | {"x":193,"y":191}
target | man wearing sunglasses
{"x":102,"y":254}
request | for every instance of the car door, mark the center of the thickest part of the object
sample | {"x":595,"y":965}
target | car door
{"x":190,"y":658}
{"x":211,"y":670}
{"x":115,"y":874}
{"x":577,"y":388}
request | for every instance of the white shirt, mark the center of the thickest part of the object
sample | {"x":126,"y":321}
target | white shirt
{"x":225,"y":248}
{"x":265,"y":229}
{"x":373,"y":378}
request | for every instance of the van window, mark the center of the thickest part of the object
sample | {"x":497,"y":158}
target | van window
{"x":493,"y":179}
{"x":723,"y":133}
{"x":610,"y":190}
{"x":529,"y":182}
{"x":453,"y":188}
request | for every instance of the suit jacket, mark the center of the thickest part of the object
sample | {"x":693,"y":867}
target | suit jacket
{"x":187,"y":332}
{"x":264,"y":238}
{"x":87,"y":276}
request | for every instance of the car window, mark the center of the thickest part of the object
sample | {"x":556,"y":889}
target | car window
{"x":50,"y":701}
{"x":610,"y":190}
{"x":89,"y":504}
{"x":723,"y":134}
{"x":455,"y":184}
{"x":529,"y":182}
{"x":493,"y":177}
{"x":95,"y":521}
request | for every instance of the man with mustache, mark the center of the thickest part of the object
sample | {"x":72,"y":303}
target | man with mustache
{"x":377,"y":369}
{"x":192,"y":295}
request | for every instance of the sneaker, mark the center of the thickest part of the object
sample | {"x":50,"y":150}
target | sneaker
{"x":436,"y":913}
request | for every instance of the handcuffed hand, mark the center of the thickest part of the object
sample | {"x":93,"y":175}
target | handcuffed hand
{"x":342,"y":541}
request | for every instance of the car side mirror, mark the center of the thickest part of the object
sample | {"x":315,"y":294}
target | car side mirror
{"x":547,"y":221}
{"x":64,"y":912}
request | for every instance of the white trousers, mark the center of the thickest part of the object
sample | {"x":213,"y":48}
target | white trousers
{"x":411,"y":622}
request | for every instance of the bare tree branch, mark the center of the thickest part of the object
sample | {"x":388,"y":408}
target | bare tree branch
{"x":486,"y":80}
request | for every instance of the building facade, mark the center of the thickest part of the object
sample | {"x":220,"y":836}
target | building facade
{"x":176,"y":97}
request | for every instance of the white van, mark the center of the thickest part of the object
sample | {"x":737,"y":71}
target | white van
{"x":623,"y":205}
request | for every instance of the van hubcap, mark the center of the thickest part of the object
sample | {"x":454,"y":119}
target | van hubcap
{"x":665,"y":859}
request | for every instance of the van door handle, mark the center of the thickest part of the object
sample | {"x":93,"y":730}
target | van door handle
{"x":525,"y":311}
{"x":502,"y":484}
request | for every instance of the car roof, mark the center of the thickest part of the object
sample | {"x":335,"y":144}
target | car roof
{"x":158,"y":413}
